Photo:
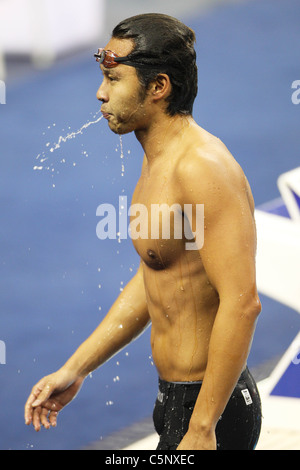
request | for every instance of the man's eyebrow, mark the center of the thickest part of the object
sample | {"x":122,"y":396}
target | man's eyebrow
{"x":109,"y":71}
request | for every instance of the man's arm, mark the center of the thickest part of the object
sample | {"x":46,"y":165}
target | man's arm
{"x":228,"y":257}
{"x":126,"y":319}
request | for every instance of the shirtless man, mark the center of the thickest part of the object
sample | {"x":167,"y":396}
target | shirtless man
{"x":202,"y":303}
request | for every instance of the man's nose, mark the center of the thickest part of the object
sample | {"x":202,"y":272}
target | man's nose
{"x":101,"y":93}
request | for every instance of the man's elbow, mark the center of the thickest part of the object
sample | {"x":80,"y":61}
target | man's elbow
{"x":256,"y":307}
{"x":246,"y":304}
{"x":252,"y":307}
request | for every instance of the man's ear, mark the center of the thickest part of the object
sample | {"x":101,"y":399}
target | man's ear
{"x":161,"y":87}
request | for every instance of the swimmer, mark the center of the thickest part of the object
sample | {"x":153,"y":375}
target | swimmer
{"x":203,"y":303}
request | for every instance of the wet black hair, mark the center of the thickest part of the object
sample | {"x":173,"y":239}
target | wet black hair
{"x":163,"y":44}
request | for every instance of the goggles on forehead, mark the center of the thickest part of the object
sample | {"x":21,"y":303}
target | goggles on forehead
{"x":109,"y":59}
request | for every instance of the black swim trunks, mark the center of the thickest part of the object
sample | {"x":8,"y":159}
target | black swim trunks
{"x":238,"y":428}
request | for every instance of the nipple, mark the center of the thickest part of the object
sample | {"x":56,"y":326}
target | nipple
{"x":151,"y":254}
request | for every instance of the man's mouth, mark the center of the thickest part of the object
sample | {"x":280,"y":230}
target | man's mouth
{"x":105,"y":114}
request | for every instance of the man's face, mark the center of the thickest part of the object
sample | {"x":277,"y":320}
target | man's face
{"x":124,"y":99}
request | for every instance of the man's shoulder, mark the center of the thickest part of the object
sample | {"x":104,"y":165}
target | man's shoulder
{"x":206,"y":160}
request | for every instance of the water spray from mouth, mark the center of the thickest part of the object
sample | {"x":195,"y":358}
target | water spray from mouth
{"x":44,"y":156}
{"x":63,"y":139}
{"x":72,"y":135}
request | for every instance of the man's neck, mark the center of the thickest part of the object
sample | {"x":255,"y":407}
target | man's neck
{"x":161,"y":133}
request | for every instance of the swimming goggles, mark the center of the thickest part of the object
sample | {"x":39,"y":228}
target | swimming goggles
{"x":109,"y":59}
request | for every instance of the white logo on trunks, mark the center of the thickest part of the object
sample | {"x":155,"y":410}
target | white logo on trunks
{"x":247,"y":396}
{"x":160,"y":397}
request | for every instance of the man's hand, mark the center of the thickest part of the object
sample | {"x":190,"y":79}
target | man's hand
{"x":49,"y":396}
{"x":198,"y":441}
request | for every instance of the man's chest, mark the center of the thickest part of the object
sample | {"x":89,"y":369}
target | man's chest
{"x":158,"y":224}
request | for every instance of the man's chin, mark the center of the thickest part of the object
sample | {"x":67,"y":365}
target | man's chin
{"x":119,"y":129}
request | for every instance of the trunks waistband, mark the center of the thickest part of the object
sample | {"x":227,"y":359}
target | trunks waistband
{"x":197,"y":382}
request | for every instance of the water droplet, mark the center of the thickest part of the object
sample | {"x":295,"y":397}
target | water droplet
{"x":122,"y":156}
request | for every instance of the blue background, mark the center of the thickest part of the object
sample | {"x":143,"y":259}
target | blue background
{"x":248,"y":57}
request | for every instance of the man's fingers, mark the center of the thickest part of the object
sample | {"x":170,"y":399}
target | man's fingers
{"x":39,"y":394}
{"x":42,"y":395}
{"x":28,"y":408}
{"x":44,"y":418}
{"x":53,"y":418}
{"x":36,"y":418}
